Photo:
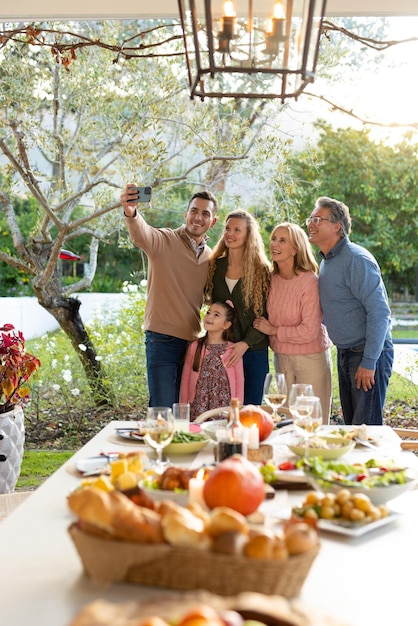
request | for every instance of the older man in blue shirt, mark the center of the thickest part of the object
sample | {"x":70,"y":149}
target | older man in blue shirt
{"x":356,"y":313}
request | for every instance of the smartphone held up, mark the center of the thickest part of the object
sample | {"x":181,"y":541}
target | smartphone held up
{"x":140,"y":194}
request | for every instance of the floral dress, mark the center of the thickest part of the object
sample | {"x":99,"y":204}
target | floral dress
{"x":212,"y":389}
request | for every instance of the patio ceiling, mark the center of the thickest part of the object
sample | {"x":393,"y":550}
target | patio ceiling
{"x":22,"y":10}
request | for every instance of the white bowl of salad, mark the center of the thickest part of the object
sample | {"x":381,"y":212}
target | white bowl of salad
{"x":381,"y":481}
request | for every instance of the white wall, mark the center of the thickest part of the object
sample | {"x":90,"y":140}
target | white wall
{"x":27,"y":315}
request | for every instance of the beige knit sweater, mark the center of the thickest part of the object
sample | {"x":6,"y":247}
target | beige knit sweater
{"x":176,"y":278}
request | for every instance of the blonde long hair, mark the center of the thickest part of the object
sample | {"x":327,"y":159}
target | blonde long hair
{"x":304,"y":259}
{"x":256,"y":267}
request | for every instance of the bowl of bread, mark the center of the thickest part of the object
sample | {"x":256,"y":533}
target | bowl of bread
{"x":164,"y":544}
{"x":203,"y":608}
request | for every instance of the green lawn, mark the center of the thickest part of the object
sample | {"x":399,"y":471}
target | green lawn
{"x":37,"y":465}
{"x":405,"y":334}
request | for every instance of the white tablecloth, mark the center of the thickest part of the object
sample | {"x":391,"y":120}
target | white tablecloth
{"x":364,"y":582}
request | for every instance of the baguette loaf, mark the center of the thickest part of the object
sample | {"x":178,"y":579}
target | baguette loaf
{"x":115,"y":513}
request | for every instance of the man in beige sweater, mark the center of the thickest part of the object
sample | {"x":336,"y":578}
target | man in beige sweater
{"x":177,"y":269}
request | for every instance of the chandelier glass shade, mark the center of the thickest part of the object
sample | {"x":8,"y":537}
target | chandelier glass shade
{"x":233,"y":51}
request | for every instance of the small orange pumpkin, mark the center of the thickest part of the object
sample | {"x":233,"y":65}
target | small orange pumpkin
{"x":251,"y":414}
{"x":235,"y":483}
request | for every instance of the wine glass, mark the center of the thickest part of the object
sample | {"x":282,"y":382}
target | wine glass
{"x":299,"y":389}
{"x":158,"y":429}
{"x":275,"y":393}
{"x":307,"y":417}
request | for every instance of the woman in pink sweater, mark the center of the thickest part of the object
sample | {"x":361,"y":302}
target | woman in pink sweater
{"x":297,"y":336}
{"x":206,"y":382}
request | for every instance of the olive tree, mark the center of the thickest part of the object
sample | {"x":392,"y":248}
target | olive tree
{"x":79,"y":119}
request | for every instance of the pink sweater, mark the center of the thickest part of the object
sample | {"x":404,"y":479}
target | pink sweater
{"x":293,"y":306}
{"x":189,"y":377}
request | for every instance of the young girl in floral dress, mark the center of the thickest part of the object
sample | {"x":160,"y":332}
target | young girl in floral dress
{"x":206,"y":382}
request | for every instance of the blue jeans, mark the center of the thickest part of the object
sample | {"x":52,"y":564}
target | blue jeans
{"x":256,"y":366}
{"x":165,"y":357}
{"x":359,"y":406}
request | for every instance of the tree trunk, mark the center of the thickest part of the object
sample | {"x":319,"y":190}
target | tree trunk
{"x":66,"y":311}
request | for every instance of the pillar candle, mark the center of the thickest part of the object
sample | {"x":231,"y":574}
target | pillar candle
{"x":196,"y":491}
{"x":253,"y":437}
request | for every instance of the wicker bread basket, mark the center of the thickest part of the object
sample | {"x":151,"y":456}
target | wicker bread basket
{"x":106,"y":561}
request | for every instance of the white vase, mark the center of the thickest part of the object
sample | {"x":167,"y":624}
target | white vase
{"x":12,"y":440}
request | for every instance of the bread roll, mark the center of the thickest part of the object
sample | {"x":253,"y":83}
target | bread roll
{"x":198,"y":511}
{"x":163,"y":507}
{"x":135,"y":523}
{"x":230,"y":543}
{"x":226,"y":520}
{"x":94,"y":506}
{"x":300,"y":537}
{"x":182,"y":528}
{"x":115,"y":513}
{"x":260,"y":545}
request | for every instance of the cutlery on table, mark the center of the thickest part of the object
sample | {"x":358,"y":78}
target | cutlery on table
{"x":365,"y":443}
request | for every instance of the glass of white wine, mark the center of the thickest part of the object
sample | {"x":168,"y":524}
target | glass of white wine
{"x":299,"y":389}
{"x":158,"y":429}
{"x":275,"y":393}
{"x":307,"y":417}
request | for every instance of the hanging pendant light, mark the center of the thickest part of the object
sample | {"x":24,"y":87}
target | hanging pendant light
{"x":233,"y":52}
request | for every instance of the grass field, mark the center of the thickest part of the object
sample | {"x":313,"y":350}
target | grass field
{"x":37,"y":465}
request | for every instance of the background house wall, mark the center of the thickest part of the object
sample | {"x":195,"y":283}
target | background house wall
{"x":27,"y":315}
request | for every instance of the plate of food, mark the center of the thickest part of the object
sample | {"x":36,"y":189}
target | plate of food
{"x":343,"y":512}
{"x":318,"y":446}
{"x":283,"y":475}
{"x":380,"y":481}
{"x":181,"y":496}
{"x":172,"y":484}
{"x":356,"y":529}
{"x":359,"y":434}
{"x":132,"y":434}
{"x":201,"y":607}
{"x":93,"y":466}
{"x":187,"y":443}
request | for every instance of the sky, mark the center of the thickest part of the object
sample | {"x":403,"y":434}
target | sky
{"x":386,"y":94}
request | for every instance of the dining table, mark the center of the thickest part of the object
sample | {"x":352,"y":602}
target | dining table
{"x":365,"y":580}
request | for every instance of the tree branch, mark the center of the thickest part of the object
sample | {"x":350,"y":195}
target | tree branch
{"x":364,"y":121}
{"x":375,"y":44}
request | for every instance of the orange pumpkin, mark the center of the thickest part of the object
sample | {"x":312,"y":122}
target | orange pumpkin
{"x":251,"y":414}
{"x":235,"y":483}
{"x":201,"y":615}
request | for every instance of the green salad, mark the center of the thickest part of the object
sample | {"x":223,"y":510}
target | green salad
{"x":372,"y":473}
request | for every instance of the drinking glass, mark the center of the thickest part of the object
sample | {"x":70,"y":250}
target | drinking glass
{"x":275,"y":393}
{"x":307,"y":418}
{"x":181,"y":413}
{"x":158,"y":429}
{"x":307,"y":415}
{"x":299,"y":389}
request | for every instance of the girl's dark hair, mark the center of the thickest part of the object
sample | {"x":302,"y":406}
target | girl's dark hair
{"x":227,"y":335}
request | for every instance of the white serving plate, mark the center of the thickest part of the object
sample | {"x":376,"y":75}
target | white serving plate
{"x":291,"y":476}
{"x":378,"y":495}
{"x":131,"y":434}
{"x":328,"y":453}
{"x":96,"y":464}
{"x":210,"y":428}
{"x":345,"y":527}
{"x":353,"y":529}
{"x":181,"y":497}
